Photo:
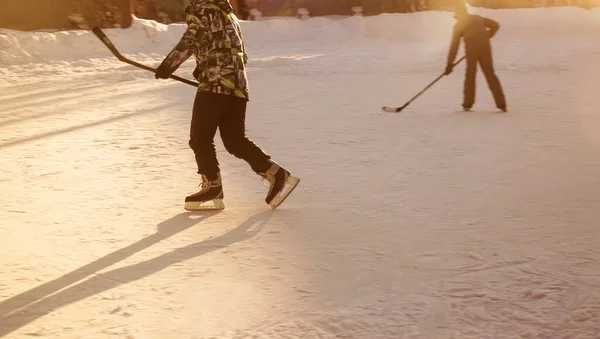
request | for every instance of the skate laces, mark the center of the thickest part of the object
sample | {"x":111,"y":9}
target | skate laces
{"x":268,"y":179}
{"x":205,"y":184}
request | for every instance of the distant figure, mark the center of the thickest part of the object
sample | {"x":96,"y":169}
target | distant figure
{"x":213,"y":36}
{"x":476,"y":32}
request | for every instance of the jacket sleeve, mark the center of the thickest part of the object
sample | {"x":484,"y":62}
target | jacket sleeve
{"x":245,"y":58}
{"x":454,"y":44}
{"x":194,"y":37}
{"x":492,"y":26}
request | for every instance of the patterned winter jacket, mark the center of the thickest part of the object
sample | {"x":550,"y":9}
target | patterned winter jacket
{"x":214,"y":36}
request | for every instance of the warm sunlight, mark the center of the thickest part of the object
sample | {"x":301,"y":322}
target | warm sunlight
{"x":299,"y":169}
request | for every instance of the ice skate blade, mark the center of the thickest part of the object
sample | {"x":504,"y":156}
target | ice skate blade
{"x":212,"y":205}
{"x":288,"y":187}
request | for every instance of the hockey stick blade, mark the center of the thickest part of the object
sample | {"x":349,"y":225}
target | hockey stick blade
{"x":390,"y":109}
{"x":398,"y":109}
{"x":393,"y":109}
{"x":100,"y":34}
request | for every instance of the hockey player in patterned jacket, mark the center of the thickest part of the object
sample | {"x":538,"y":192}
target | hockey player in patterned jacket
{"x":476,"y":32}
{"x":214,"y":37}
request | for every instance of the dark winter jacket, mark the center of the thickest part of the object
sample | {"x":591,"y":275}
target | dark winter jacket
{"x":474,"y":29}
{"x":214,"y":36}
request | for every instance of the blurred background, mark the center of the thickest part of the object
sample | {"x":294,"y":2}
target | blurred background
{"x":83,"y":14}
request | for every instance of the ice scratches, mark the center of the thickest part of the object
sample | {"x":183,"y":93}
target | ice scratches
{"x":124,"y":311}
{"x":38,"y":332}
{"x":407,"y":316}
{"x":497,"y":266}
{"x":535,"y":294}
{"x":44,"y":331}
{"x":108,"y":327}
{"x":119,"y":332}
{"x":522,"y":299}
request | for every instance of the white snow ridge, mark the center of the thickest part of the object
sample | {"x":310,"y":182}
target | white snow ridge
{"x":431,"y":223}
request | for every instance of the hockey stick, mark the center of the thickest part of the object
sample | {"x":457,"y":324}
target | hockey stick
{"x":398,"y":109}
{"x":98,"y":32}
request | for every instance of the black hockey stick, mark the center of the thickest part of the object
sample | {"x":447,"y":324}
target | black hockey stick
{"x":398,"y":109}
{"x":119,"y":56}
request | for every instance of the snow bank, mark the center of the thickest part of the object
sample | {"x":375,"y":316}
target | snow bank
{"x":32,"y":47}
{"x":149,"y":37}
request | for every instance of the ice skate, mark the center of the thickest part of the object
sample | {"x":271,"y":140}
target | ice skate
{"x":210,"y":197}
{"x":281,"y":184}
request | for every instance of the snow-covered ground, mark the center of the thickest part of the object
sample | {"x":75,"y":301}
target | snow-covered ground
{"x":431,"y":223}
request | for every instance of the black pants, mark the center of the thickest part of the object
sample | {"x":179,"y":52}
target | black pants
{"x":480,"y":52}
{"x":228,"y":113}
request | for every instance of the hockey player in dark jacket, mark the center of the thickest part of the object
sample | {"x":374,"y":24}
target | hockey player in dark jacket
{"x":476,"y":32}
{"x":214,"y":37}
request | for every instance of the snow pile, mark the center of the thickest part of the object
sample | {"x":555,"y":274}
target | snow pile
{"x":149,"y":37}
{"x":39,"y":47}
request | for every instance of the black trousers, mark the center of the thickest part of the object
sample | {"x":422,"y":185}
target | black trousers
{"x":480,"y":52}
{"x":228,"y":113}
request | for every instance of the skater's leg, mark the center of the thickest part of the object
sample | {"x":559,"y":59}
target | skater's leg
{"x":233,"y":133}
{"x":470,"y":74}
{"x":206,"y":115}
{"x":207,"y":112}
{"x":487,"y":67}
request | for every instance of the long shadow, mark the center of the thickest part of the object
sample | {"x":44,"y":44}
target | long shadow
{"x":80,"y":127}
{"x":43,"y":98}
{"x":30,"y":306}
{"x":166,"y":229}
{"x":44,"y":89}
{"x":57,"y":110}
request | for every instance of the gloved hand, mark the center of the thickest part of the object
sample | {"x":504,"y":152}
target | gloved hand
{"x":448,"y":69}
{"x":162,"y":72}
